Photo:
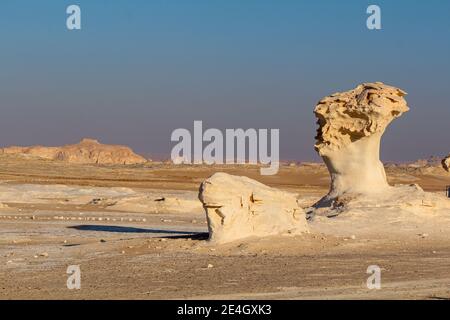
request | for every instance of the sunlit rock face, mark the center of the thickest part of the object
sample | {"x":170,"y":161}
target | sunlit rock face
{"x":239,"y":207}
{"x":87,"y":151}
{"x":348,"y":139}
{"x":351,"y":125}
{"x":446,"y":163}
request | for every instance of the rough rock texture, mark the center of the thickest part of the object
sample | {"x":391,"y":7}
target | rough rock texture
{"x":239,"y":207}
{"x":350,"y":128}
{"x":348,"y":138}
{"x":87,"y":151}
{"x":446,"y":163}
{"x":409,"y":201}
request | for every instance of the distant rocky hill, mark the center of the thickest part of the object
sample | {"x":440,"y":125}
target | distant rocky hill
{"x":87,"y":151}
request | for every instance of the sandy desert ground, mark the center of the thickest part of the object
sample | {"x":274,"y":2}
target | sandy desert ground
{"x":139,"y":232}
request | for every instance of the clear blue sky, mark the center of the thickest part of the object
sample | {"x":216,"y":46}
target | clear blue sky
{"x":140,"y":69}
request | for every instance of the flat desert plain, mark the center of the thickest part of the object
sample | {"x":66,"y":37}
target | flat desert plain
{"x":140,"y":232}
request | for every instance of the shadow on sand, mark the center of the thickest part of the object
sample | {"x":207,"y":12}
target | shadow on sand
{"x":120,"y":229}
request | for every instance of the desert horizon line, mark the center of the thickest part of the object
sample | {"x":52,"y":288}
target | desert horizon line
{"x":165,"y":156}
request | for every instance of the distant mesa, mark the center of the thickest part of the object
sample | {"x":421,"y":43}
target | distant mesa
{"x":87,"y":151}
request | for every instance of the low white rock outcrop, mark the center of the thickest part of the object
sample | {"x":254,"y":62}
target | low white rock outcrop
{"x":239,"y":207}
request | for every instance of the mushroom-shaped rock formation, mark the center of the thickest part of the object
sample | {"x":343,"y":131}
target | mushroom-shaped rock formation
{"x":348,"y":139}
{"x":239,"y":207}
{"x":446,"y":163}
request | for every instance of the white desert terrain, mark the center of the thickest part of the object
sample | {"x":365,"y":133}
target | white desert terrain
{"x":151,"y":230}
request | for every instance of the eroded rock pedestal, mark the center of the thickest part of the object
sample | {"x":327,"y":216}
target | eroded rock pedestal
{"x":348,"y":139}
{"x":239,"y":207}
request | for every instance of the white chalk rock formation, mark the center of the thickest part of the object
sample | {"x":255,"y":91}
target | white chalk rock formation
{"x":239,"y":207}
{"x":351,"y":125}
{"x":348,"y":138}
{"x":446,"y":163}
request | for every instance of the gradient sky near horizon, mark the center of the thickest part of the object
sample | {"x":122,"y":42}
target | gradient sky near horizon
{"x":140,"y":69}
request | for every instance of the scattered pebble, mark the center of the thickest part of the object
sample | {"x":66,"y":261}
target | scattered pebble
{"x":210,"y":266}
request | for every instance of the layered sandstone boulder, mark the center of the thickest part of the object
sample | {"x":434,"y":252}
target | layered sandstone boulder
{"x":446,"y":163}
{"x":239,"y":207}
{"x":88,"y":151}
